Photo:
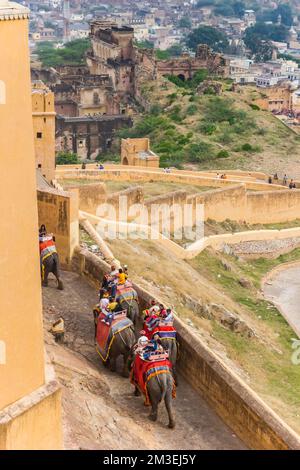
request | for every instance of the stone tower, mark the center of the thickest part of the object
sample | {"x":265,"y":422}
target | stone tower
{"x":43,"y":114}
{"x":30,"y":410}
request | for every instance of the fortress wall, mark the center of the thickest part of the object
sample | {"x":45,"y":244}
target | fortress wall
{"x":221,"y":204}
{"x":90,"y":196}
{"x":59,"y":212}
{"x":142,"y":174}
{"x":273,"y":207}
{"x":133,"y":194}
{"x":231,"y":398}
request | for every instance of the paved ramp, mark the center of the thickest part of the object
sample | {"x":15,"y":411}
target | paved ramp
{"x":197,"y":426}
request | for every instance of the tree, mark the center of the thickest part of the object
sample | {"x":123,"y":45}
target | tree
{"x":175,"y":50}
{"x":257,"y":38}
{"x":67,"y":158}
{"x":286,"y":13}
{"x":207,"y":35}
{"x":239,"y":8}
{"x":73,"y":53}
{"x":144,"y":44}
{"x":224,"y":9}
{"x":185,"y":22}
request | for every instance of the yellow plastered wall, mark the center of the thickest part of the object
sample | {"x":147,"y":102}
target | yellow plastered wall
{"x":20,"y":291}
{"x":43,"y":114}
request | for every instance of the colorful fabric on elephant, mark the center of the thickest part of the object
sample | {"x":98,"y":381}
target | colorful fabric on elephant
{"x":150,"y":325}
{"x":164,"y":332}
{"x":107,"y":333}
{"x":143,"y":371}
{"x":47,"y":248}
{"x":126,"y":294}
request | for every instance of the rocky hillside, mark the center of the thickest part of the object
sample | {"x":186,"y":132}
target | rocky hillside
{"x":190,"y":124}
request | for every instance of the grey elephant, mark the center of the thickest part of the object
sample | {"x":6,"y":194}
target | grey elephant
{"x":51,"y":265}
{"x":49,"y":258}
{"x":120,"y":342}
{"x":132,"y":307}
{"x":170,"y":345}
{"x":160,"y":388}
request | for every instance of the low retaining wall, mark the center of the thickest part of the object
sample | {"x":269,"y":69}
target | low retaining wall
{"x":239,"y":406}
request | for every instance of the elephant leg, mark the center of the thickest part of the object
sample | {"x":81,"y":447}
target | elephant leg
{"x":154,"y":408}
{"x":175,"y":376}
{"x":45,"y":274}
{"x":107,"y":363}
{"x":168,"y":403}
{"x":56,"y":272}
{"x":125,"y":372}
{"x":137,"y":393}
{"x":113,"y":364}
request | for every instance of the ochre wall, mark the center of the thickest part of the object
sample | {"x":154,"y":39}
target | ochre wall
{"x":34,"y":422}
{"x":90,"y":196}
{"x":20,"y":287}
{"x":43,"y":115}
{"x":221,"y":204}
{"x":277,"y":206}
{"x":59,"y":212}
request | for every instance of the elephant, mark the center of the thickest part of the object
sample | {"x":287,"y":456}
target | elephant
{"x":160,"y":387}
{"x":122,"y":346}
{"x":171,"y":346}
{"x":50,"y":264}
{"x":133,"y":311}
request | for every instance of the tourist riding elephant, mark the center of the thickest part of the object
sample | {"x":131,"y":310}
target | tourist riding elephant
{"x":159,"y":388}
{"x":49,"y":260}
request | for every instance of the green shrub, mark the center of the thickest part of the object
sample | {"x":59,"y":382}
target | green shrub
{"x":254,"y":107}
{"x":156,"y":109}
{"x":191,"y":110}
{"x":67,"y":158}
{"x":209,"y":91}
{"x":223,"y":154}
{"x":247,"y":147}
{"x":222,"y":110}
{"x":200,"y":152}
{"x":207,"y":128}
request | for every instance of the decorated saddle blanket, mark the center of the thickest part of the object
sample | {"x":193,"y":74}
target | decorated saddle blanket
{"x":47,"y":247}
{"x":164,"y":331}
{"x":106,"y":333}
{"x":126,"y":293}
{"x":142,"y":371}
